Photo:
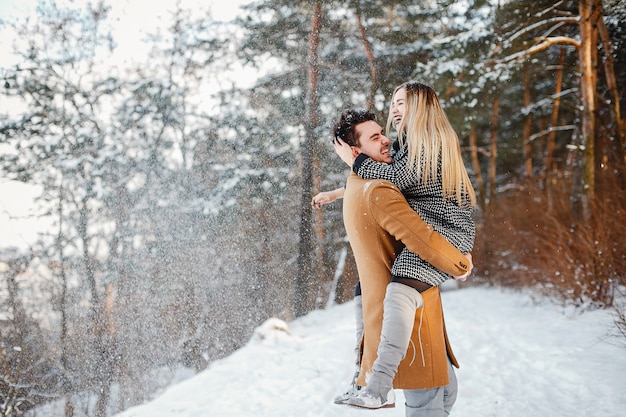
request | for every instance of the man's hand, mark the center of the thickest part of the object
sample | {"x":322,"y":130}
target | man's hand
{"x":469,"y":269}
{"x":344,"y":151}
{"x":326,"y":197}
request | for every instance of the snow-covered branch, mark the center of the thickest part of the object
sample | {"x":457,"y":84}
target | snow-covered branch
{"x":545,"y":44}
{"x":549,"y":130}
{"x":571,"y":20}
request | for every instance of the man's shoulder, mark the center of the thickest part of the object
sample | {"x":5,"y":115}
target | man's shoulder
{"x":367,"y":188}
{"x":379,"y":186}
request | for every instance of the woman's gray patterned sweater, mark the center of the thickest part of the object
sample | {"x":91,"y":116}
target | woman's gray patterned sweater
{"x":454,"y":222}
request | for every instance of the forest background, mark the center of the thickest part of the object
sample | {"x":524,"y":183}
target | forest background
{"x":179,"y":203}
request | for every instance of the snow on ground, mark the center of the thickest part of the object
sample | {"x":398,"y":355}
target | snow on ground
{"x":519,"y":358}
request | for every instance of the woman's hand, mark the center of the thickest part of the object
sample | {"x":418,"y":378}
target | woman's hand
{"x":344,"y":151}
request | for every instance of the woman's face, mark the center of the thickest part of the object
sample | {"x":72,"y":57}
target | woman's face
{"x":397,"y":106}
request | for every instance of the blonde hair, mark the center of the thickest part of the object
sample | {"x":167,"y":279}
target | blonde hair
{"x":429,"y":136}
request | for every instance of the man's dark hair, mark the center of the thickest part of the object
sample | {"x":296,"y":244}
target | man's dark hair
{"x":345,"y":126}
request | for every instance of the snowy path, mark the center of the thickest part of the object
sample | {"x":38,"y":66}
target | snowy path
{"x":518,"y":359}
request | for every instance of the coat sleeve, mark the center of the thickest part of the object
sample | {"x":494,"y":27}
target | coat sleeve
{"x":393,"y":214}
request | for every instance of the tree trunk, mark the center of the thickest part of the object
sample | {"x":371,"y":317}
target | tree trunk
{"x":554,"y":119}
{"x":64,"y":310}
{"x":304,"y":282}
{"x":588,"y":57}
{"x":476,"y":165}
{"x":493,"y":151}
{"x":528,"y":120}
{"x":107,"y":354}
{"x":369,"y":53}
{"x":16,"y":379}
{"x":101,"y":350}
{"x":320,"y":252}
{"x":611,"y":82}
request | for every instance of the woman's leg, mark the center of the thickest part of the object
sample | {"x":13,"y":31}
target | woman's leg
{"x":400,"y":304}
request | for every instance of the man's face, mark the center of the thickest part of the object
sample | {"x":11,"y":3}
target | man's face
{"x":372,"y":141}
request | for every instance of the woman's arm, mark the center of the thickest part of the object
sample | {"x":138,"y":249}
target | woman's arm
{"x":396,"y":173}
{"x":366,"y":168}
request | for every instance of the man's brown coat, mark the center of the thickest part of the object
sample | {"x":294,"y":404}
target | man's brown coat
{"x":379,"y":222}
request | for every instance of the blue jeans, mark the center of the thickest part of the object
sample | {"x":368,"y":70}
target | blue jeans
{"x":434,"y":402}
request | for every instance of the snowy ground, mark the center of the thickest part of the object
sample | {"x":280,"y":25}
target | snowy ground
{"x":518,"y":358}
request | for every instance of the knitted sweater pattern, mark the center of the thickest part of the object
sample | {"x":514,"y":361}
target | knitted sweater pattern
{"x":454,"y":222}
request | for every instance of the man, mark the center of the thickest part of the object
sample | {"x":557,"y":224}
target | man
{"x":374,"y":213}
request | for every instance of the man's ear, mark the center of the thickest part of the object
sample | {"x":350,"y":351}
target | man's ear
{"x":355,"y":151}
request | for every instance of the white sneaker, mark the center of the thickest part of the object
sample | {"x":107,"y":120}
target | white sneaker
{"x":367,"y":399}
{"x":353,"y":391}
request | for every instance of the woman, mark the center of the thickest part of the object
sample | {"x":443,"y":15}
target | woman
{"x":429,"y":170}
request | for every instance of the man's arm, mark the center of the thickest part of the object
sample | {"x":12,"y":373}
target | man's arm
{"x":327,"y":197}
{"x":393,"y":213}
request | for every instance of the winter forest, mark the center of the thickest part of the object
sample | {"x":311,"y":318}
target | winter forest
{"x":179,"y":201}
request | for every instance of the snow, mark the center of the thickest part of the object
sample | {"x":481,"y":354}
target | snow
{"x":519,"y":357}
